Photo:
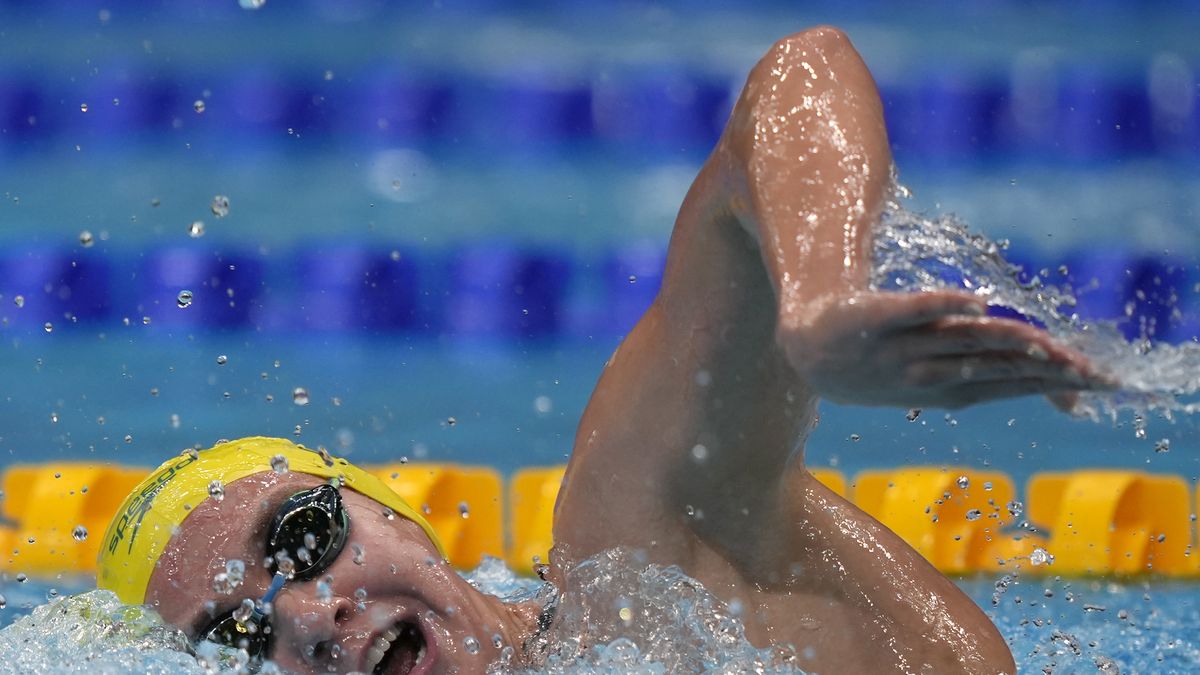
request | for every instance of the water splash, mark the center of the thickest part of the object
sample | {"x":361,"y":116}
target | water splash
{"x":915,"y":252}
{"x":94,"y":633}
{"x":623,"y":615}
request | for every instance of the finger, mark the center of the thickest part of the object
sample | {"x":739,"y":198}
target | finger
{"x":978,"y":392}
{"x":898,"y":311}
{"x":975,"y":336}
{"x":993,"y":367}
{"x":968,"y":335}
{"x":1065,"y":401}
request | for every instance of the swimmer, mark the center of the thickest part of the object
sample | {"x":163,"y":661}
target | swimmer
{"x":764,"y":309}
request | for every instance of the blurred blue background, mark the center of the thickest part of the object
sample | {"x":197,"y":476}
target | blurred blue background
{"x":443,"y":216}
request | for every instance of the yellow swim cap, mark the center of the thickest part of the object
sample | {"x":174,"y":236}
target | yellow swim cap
{"x":152,"y":512}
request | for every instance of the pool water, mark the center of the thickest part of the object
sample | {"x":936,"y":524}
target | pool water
{"x":1052,"y":626}
{"x":571,"y":132}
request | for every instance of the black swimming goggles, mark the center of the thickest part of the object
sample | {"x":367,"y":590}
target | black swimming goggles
{"x":304,"y":539}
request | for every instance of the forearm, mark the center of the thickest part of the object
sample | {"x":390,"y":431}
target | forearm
{"x":809,"y":168}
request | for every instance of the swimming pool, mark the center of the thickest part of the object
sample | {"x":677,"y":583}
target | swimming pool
{"x":583,"y":205}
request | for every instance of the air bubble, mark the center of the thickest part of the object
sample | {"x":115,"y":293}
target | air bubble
{"x":216,"y":490}
{"x":86,"y":239}
{"x":196,"y":229}
{"x":252,"y":4}
{"x":19,"y":301}
{"x":184,"y":299}
{"x":222,"y":359}
{"x":913,"y":414}
{"x":471,"y":645}
{"x":1163,"y":445}
{"x":80,"y":533}
{"x":48,"y":327}
{"x":974,"y":514}
{"x":83,"y":107}
{"x":1015,"y":508}
{"x":962,"y":482}
{"x":198,"y":106}
{"x":300,"y":396}
{"x":279,"y":464}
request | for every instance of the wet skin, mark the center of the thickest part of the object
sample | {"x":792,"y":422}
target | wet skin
{"x":764,"y":310}
{"x":404,"y":576}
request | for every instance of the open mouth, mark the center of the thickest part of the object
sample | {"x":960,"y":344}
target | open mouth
{"x":398,"y":650}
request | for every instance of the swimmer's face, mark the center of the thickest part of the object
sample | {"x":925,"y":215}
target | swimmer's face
{"x":400,"y":586}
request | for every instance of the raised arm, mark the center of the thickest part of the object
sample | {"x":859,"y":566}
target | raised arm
{"x":692,"y":446}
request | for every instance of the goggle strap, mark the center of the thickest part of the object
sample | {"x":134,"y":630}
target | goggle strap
{"x":276,"y":584}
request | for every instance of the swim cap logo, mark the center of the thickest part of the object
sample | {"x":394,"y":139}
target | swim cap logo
{"x":141,"y":503}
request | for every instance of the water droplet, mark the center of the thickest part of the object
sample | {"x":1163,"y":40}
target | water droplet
{"x":1163,"y":445}
{"x":1040,"y":556}
{"x":19,"y":301}
{"x":198,"y":106}
{"x":222,"y":359}
{"x":184,"y":299}
{"x":974,"y":514}
{"x":470,"y":645}
{"x":235,"y":570}
{"x":219,"y":206}
{"x":244,"y":611}
{"x":196,"y":229}
{"x":300,"y":396}
{"x":48,"y":327}
{"x":913,"y":414}
{"x":216,"y":490}
{"x":325,"y":589}
{"x":83,"y":107}
{"x":962,"y":482}
{"x":80,"y":533}
{"x":279,"y":464}
{"x":86,"y":239}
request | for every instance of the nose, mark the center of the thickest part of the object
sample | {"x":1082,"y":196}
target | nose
{"x":307,"y":630}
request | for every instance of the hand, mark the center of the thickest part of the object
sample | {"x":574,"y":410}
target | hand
{"x":932,"y":349}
